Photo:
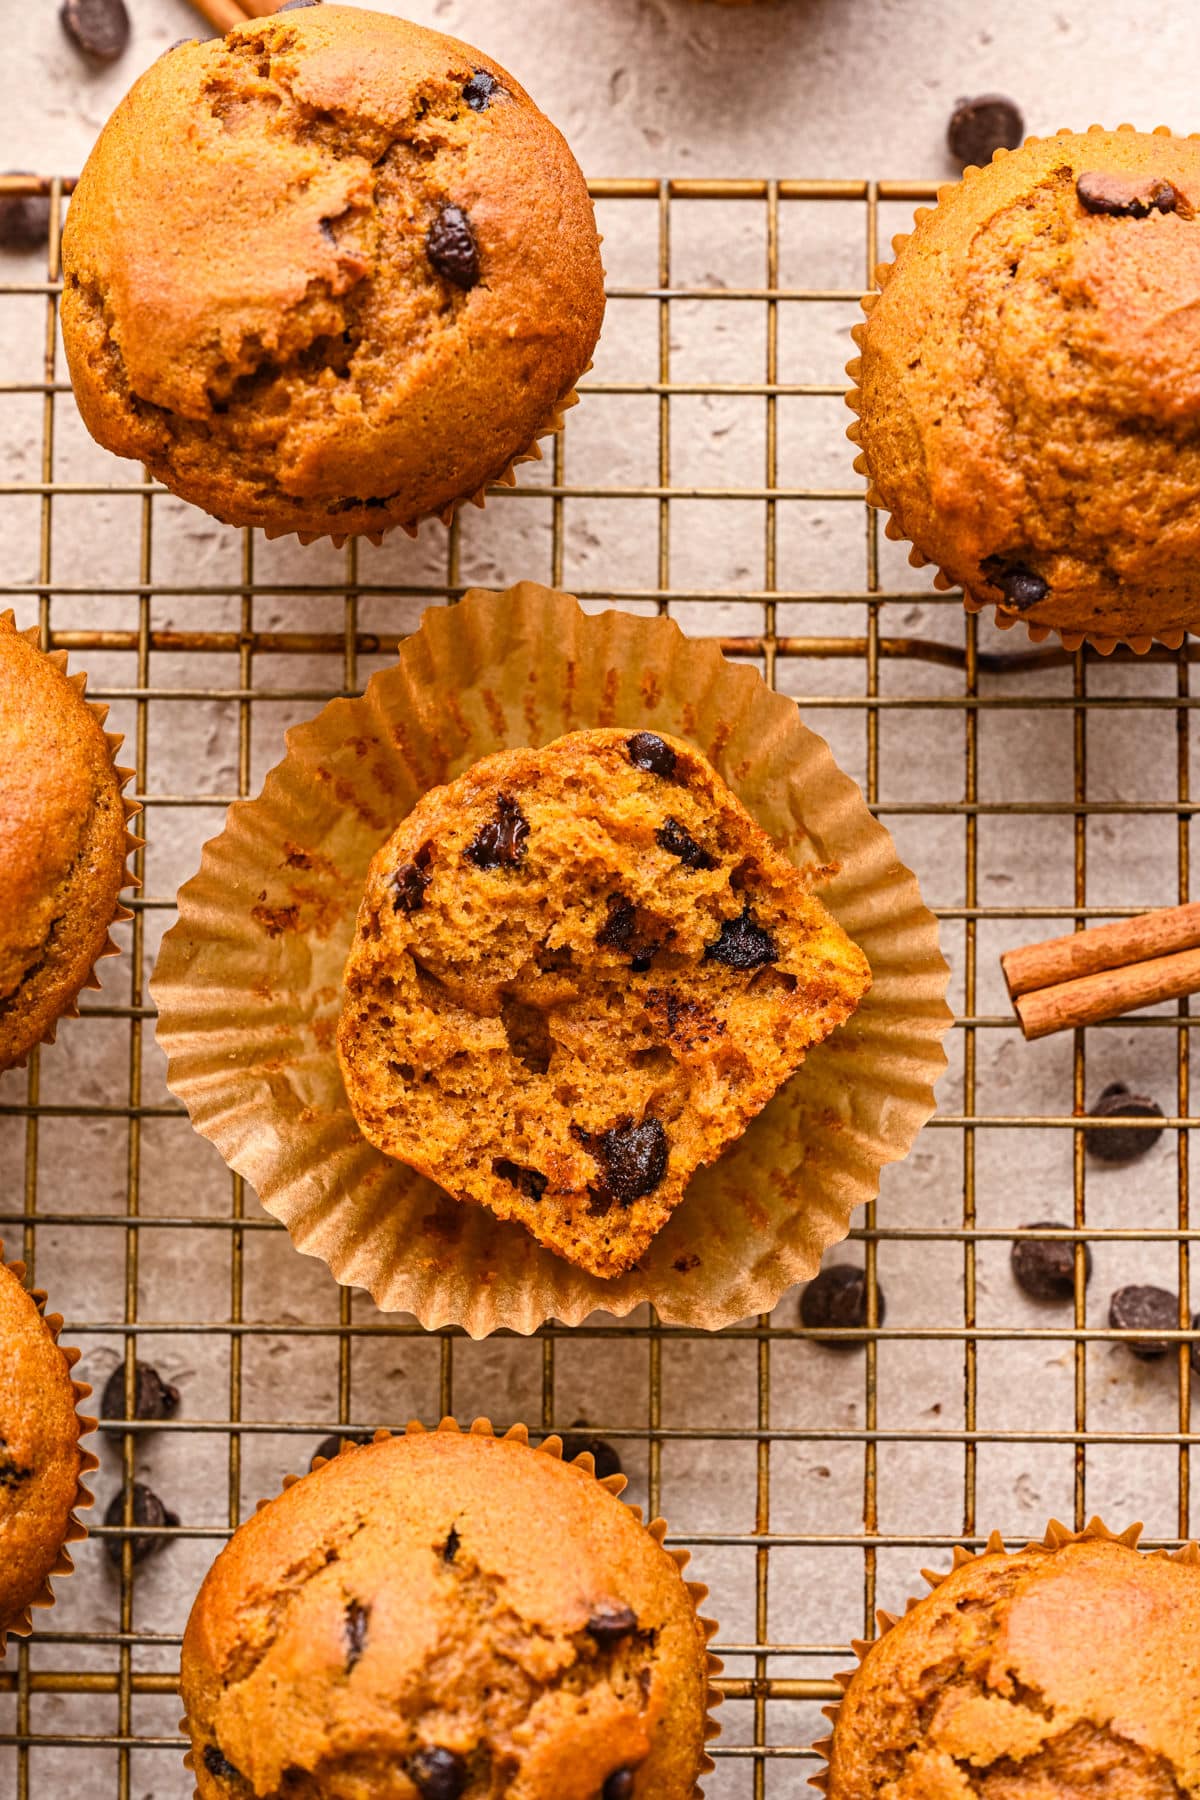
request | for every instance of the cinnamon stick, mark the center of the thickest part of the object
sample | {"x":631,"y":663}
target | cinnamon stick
{"x":1152,"y":934}
{"x":258,"y":9}
{"x":222,"y":15}
{"x":1108,"y":992}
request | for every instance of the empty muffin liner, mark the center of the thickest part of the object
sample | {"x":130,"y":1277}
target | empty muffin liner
{"x":1057,"y":1535}
{"x":248,"y":981}
{"x":22,"y":1624}
{"x":613,"y":1484}
{"x":114,"y":740}
{"x":894,"y":525}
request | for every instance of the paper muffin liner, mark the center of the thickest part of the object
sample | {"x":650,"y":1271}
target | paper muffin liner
{"x":894,"y":526}
{"x":22,"y":1624}
{"x":1056,"y":1537}
{"x":114,"y":740}
{"x":248,"y":981}
{"x":613,"y":1484}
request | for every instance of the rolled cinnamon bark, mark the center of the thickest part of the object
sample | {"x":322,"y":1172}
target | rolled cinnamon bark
{"x":222,"y":15}
{"x":1107,"y":993}
{"x":1061,"y":959}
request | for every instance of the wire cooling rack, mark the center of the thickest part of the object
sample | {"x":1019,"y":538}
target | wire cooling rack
{"x":705,"y":475}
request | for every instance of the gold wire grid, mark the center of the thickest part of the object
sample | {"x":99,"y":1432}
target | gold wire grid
{"x":755,"y":1757}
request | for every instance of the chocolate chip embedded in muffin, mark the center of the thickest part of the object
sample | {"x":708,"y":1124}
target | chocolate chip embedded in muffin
{"x":611,"y":1621}
{"x":480,"y":89}
{"x":1146,"y":1309}
{"x":1125,"y":196}
{"x":439,"y":1774}
{"x":219,"y":1766}
{"x":980,"y":126}
{"x":411,"y":879}
{"x":1123,"y":1143}
{"x":357,"y":1620}
{"x":1022,"y":588}
{"x":620,"y":1785}
{"x":631,"y":1159}
{"x":149,"y":1510}
{"x":678,"y":841}
{"x":502,"y":842}
{"x":1044,"y":1268}
{"x":99,"y":27}
{"x":452,"y":247}
{"x":649,"y":752}
{"x":530,"y":1182}
{"x":743,"y":944}
{"x":837,"y":1299}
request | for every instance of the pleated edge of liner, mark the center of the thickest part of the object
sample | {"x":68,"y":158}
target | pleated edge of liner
{"x":615,"y":1485}
{"x":894,"y":525}
{"x":1057,"y":1537}
{"x":446,"y":514}
{"x":113,"y":741}
{"x":22,"y":1624}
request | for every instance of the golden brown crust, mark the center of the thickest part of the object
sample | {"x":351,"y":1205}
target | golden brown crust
{"x":434,"y":1593}
{"x":551,"y":1035}
{"x":1061,"y":1672}
{"x":62,"y":841}
{"x":1029,"y":387}
{"x":249,"y":304}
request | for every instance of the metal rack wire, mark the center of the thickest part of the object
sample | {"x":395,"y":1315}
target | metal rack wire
{"x":952,"y":678}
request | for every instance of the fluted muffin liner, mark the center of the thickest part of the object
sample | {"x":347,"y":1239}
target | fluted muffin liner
{"x":894,"y":526}
{"x":113,"y":740}
{"x":22,"y":1624}
{"x":613,"y":1484}
{"x":1056,"y":1537}
{"x":248,"y":982}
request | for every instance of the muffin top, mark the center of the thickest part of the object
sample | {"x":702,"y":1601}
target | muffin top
{"x":1057,"y":1673}
{"x":1030,"y":384}
{"x":62,"y":840}
{"x":40,"y":1458}
{"x":445,"y":1617}
{"x":328,"y":273}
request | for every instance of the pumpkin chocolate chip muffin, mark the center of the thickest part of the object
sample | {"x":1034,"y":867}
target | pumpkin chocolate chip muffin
{"x":328,"y":274}
{"x":578,"y":973}
{"x":1067,"y":1671}
{"x":40,"y":1459}
{"x":1028,"y":391}
{"x":446,"y":1617}
{"x":63,"y":840}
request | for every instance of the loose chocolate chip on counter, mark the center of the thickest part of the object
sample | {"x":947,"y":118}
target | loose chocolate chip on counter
{"x":530,"y":1182}
{"x":632,"y":1159}
{"x":1123,"y":1143}
{"x":451,"y":245}
{"x":981,"y":125}
{"x":1126,"y":196}
{"x":100,"y":27}
{"x":357,"y":1618}
{"x":1046,"y":1270}
{"x":678,"y":841}
{"x":148,"y":1509}
{"x":330,"y":1446}
{"x":619,"y":1785}
{"x":742,"y":944}
{"x":153,"y":1398}
{"x":610,"y":1622}
{"x":1144,"y":1309}
{"x":479,"y":90}
{"x":576,"y":1443}
{"x":218,"y":1765}
{"x":837,"y":1298}
{"x":1021,"y":587}
{"x":501,"y":843}
{"x":410,"y":881}
{"x":24,"y":219}
{"x":650,"y":753}
{"x":438,"y":1774}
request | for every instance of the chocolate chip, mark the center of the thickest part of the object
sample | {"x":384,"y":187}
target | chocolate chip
{"x":148,"y":1509}
{"x":357,"y":1617}
{"x":981,"y":125}
{"x":450,"y":1547}
{"x":678,"y":841}
{"x":501,"y":843}
{"x":479,"y":90}
{"x":1020,"y":586}
{"x":1122,"y":1144}
{"x":12,"y":1473}
{"x":742,"y":944}
{"x":605,"y":1458}
{"x":650,"y":753}
{"x":1144,"y":1309}
{"x":610,"y":1622}
{"x":837,"y":1298}
{"x":218,"y":1765}
{"x":100,"y":27}
{"x":330,"y":1447}
{"x":530,"y":1182}
{"x":24,"y":219}
{"x":1045,"y":1270}
{"x":621,"y":932}
{"x":451,"y":245}
{"x":619,"y":1785}
{"x":632,"y":1159}
{"x":410,"y":880}
{"x":1126,"y":196}
{"x":153,"y":1398}
{"x":438,"y":1774}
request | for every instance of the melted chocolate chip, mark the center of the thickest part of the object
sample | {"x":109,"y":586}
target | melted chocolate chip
{"x":530,"y":1182}
{"x":742,"y":944}
{"x":479,"y":90}
{"x":632,"y":1159}
{"x":451,"y":247}
{"x":153,"y":1398}
{"x":219,"y":1766}
{"x":99,"y":27}
{"x":837,"y":1299}
{"x":980,"y":126}
{"x":357,"y":1618}
{"x":610,"y":1622}
{"x":1020,"y":586}
{"x":24,"y":219}
{"x":149,"y":1510}
{"x":439,"y":1774}
{"x":650,"y":753}
{"x":410,"y":881}
{"x":501,"y":842}
{"x":1045,"y":1270}
{"x":619,"y":1785}
{"x":678,"y":841}
{"x":1126,"y":196}
{"x":1124,"y":1143}
{"x":1144,"y":1309}
{"x":621,"y":932}
{"x":605,"y":1458}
